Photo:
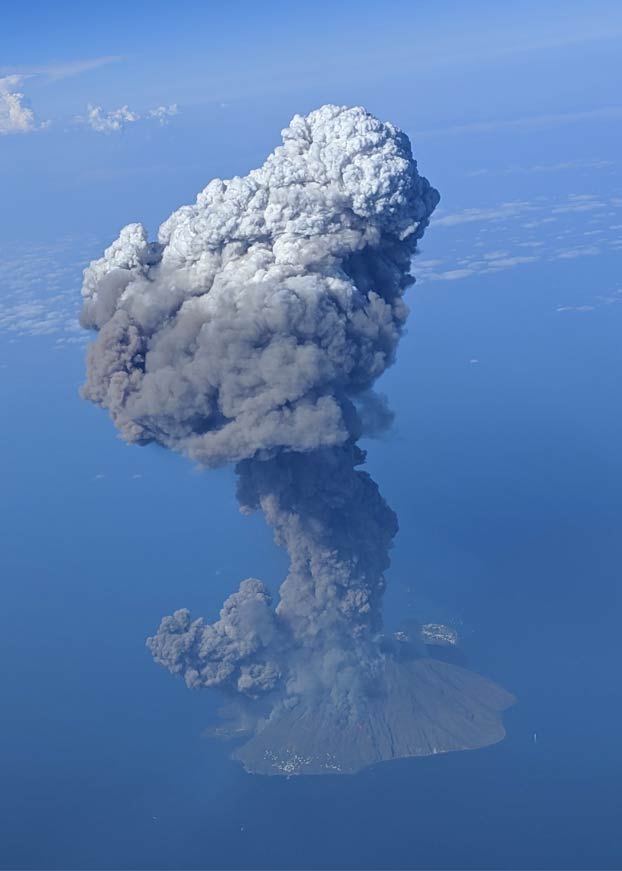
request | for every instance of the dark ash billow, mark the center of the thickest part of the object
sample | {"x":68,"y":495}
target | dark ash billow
{"x":252,"y":332}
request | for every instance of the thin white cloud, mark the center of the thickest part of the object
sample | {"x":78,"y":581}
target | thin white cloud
{"x":508,"y":263}
{"x":485,"y":240}
{"x":496,"y":213}
{"x":538,"y":222}
{"x":575,"y":308}
{"x":422,"y":263}
{"x":61,"y":69}
{"x":490,"y":263}
{"x":529,"y":122}
{"x":539,"y":211}
{"x":450,"y":275}
{"x":611,"y":298}
{"x":579,"y":203}
{"x":562,"y":166}
{"x":580,"y":251}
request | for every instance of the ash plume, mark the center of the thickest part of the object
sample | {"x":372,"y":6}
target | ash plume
{"x":252,"y":332}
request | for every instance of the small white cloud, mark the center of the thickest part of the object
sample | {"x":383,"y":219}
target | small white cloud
{"x":109,"y":122}
{"x":118,"y":119}
{"x":15,"y":116}
{"x":163,"y":113}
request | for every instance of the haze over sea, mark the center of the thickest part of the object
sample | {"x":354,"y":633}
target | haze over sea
{"x":503,"y":464}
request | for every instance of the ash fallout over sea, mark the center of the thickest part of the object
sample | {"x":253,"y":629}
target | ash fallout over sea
{"x":252,"y":332}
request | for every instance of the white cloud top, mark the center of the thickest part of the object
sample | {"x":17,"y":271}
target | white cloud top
{"x":266,"y":307}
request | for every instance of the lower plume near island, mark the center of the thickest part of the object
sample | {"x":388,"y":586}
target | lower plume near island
{"x":252,"y":332}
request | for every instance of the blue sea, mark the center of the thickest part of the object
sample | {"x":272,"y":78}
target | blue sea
{"x":505,"y":468}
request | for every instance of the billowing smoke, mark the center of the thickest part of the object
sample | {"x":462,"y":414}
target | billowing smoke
{"x":252,"y":332}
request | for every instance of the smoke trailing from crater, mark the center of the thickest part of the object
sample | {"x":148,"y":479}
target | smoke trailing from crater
{"x":252,"y":332}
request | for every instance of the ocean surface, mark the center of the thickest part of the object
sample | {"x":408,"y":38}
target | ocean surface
{"x":504,"y":466}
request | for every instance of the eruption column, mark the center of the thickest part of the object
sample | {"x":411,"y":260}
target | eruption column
{"x":252,"y":332}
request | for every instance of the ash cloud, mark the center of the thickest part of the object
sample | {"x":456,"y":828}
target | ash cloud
{"x":252,"y":332}
{"x":225,"y":653}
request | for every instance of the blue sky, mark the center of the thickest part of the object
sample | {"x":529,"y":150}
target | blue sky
{"x":503,"y":463}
